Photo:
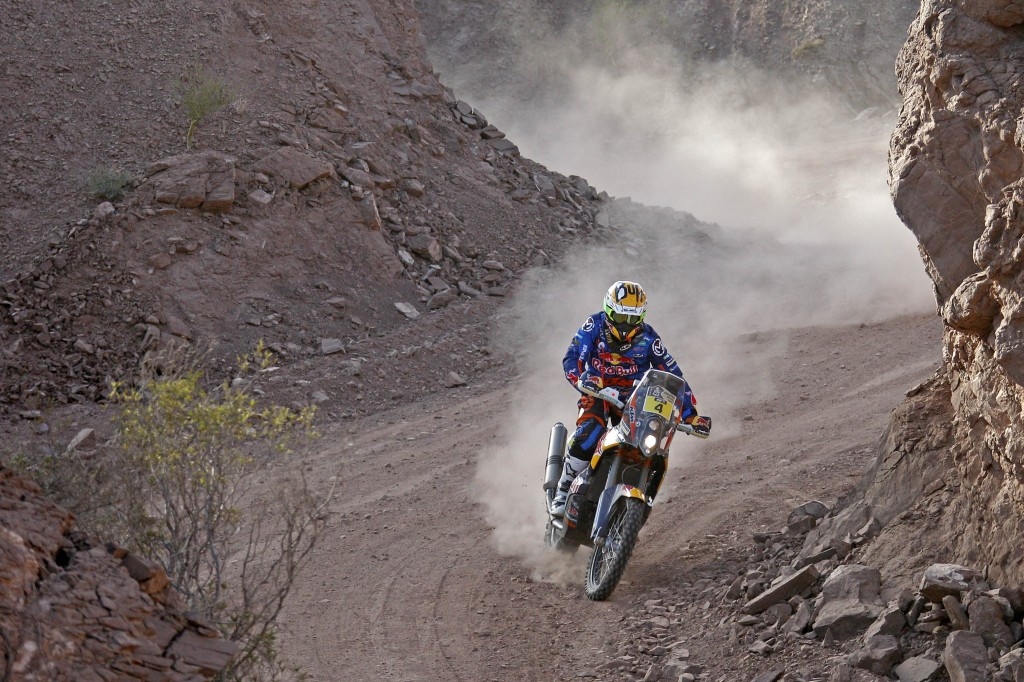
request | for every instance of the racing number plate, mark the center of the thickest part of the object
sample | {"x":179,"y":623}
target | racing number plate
{"x":659,"y":401}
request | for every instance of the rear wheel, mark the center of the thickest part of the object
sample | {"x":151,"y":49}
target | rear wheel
{"x":554,"y":538}
{"x":608,"y":562}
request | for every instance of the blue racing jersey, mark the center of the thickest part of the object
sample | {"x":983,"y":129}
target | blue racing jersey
{"x":620,"y":365}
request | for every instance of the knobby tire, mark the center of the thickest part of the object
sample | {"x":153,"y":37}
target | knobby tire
{"x":608,"y":562}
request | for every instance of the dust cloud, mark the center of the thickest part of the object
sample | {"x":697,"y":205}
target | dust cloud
{"x":773,"y":213}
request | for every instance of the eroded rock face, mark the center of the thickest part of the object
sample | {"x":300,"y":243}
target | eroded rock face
{"x":69,"y":611}
{"x":956,"y":160}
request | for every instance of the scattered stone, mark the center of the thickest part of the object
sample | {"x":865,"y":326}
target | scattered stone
{"x":406,"y":258}
{"x":1011,"y":666}
{"x":261,"y":197}
{"x":85,"y":439}
{"x":413,"y":187}
{"x":370,"y":214}
{"x":880,"y":655}
{"x":890,"y":622}
{"x":160,"y":261}
{"x":356,"y":176}
{"x":504,"y":145}
{"x":442,"y":299}
{"x":103,"y":211}
{"x":789,"y":587}
{"x":955,"y":613}
{"x":331,"y":346}
{"x":813,"y":508}
{"x":407,"y":310}
{"x":453,"y":380}
{"x":917,"y":669}
{"x":800,"y":620}
{"x":426,"y":246}
{"x":769,"y":676}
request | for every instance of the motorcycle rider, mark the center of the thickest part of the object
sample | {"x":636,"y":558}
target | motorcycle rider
{"x":613,"y":348}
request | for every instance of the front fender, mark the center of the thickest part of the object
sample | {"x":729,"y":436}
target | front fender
{"x":606,"y":503}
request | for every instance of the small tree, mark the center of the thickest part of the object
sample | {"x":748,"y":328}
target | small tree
{"x":190,"y":503}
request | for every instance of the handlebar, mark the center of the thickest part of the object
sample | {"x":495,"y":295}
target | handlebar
{"x":608,"y":394}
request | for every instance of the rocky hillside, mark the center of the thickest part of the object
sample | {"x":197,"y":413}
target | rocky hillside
{"x":335,"y":184}
{"x":342,"y":205}
{"x":955,"y":171}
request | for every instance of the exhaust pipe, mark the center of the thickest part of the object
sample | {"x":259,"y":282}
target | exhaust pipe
{"x":556,"y":453}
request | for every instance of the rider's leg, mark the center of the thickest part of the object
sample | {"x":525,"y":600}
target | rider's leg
{"x":589,"y":428}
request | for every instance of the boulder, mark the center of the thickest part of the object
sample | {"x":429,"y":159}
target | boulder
{"x":881,"y":653}
{"x":917,"y":669}
{"x":890,"y":622}
{"x":986,"y":618}
{"x":783,"y":590}
{"x":940,"y":580}
{"x":294,"y":167}
{"x":850,"y":601}
{"x":965,"y":657}
{"x":203,"y":180}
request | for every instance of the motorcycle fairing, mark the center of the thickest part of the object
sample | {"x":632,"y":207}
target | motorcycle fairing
{"x":606,"y":503}
{"x":612,"y":438}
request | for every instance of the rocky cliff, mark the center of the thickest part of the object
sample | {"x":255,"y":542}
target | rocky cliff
{"x":69,"y":611}
{"x":956,"y":161}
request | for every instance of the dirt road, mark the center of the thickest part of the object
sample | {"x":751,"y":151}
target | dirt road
{"x":420,"y":578}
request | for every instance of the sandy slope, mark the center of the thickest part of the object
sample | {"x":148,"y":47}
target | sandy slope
{"x":409,"y":585}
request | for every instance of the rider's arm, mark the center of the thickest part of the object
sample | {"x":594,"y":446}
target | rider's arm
{"x":661,"y":359}
{"x":574,"y":364}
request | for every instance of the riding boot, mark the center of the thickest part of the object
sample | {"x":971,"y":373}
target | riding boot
{"x":572,"y":468}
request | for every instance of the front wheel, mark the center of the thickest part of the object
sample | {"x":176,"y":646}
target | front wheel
{"x":608,"y":562}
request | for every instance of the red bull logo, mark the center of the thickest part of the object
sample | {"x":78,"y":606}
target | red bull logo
{"x":615,"y":365}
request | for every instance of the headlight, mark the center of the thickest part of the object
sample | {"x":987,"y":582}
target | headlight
{"x":650,"y":442}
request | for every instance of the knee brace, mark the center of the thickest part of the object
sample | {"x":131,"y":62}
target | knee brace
{"x":584,"y":440}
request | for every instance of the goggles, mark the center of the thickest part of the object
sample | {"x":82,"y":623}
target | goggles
{"x":620,"y":321}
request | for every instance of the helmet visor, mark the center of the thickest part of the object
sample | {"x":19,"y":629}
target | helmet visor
{"x":620,"y":320}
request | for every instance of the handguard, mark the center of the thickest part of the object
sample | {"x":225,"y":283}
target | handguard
{"x":699,"y":426}
{"x":589,"y":386}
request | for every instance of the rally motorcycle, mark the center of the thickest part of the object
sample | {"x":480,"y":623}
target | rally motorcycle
{"x":610,"y":501}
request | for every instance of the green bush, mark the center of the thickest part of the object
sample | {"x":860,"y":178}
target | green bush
{"x":202,"y":94}
{"x":107,"y":184}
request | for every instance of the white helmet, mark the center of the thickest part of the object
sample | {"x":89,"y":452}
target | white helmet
{"x":625,"y":306}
